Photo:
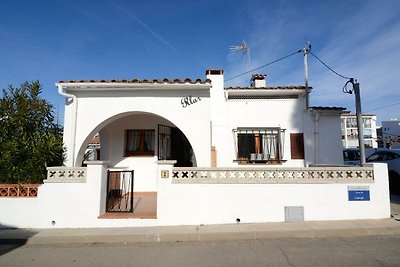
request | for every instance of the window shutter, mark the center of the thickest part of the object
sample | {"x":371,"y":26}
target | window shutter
{"x":297,"y":145}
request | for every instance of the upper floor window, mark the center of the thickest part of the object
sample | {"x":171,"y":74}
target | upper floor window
{"x":351,"y":123}
{"x":259,"y":144}
{"x":139,"y":142}
{"x":367,"y":123}
{"x":367,"y":133}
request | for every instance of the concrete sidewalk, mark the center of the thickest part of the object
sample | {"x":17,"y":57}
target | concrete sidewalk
{"x":238,"y":231}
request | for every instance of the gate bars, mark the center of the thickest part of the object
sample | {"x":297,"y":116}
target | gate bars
{"x":119,"y":191}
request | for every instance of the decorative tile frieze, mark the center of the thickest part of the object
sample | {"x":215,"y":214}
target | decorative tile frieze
{"x":19,"y":190}
{"x":311,"y":175}
{"x":66,"y":175}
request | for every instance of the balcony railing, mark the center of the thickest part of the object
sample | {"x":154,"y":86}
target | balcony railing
{"x":311,"y":175}
{"x":66,"y":175}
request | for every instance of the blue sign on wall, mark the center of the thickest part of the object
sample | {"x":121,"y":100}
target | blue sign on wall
{"x":358,"y":193}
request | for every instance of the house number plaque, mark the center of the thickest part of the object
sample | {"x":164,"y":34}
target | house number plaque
{"x":164,"y":174}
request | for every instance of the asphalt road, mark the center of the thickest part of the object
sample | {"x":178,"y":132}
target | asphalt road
{"x":365,"y":251}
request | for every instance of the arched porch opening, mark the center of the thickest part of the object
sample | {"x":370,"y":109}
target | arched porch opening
{"x":133,"y":144}
{"x":134,"y":135}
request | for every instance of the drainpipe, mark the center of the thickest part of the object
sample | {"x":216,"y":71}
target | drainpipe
{"x":316,"y":137}
{"x":73,"y":128}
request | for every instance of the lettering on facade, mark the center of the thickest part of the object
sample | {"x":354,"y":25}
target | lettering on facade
{"x":189,"y":100}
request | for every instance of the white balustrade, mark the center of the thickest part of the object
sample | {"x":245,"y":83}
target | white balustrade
{"x":66,"y":175}
{"x":310,"y":175}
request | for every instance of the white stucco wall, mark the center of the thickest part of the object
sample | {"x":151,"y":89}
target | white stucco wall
{"x":98,"y":109}
{"x":79,"y":204}
{"x":221,"y":134}
{"x":330,"y":149}
{"x":288,"y":114}
{"x":265,"y":202}
{"x":111,"y":111}
{"x":206,"y":123}
{"x":113,"y":144}
{"x":229,"y":114}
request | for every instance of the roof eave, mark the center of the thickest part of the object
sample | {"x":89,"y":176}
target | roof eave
{"x":265,"y":92}
{"x":329,"y":110}
{"x":91,"y":86}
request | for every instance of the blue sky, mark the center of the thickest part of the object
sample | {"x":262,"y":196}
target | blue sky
{"x":62,"y":40}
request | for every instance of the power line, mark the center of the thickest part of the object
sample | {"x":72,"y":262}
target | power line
{"x":270,"y":63}
{"x":386,"y":106}
{"x":329,"y":68}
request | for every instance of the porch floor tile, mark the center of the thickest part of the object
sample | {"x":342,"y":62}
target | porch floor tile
{"x":144,"y":207}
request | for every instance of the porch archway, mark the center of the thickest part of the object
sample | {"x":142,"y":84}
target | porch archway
{"x":180,"y":148}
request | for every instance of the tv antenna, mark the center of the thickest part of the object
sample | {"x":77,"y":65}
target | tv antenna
{"x":245,"y":49}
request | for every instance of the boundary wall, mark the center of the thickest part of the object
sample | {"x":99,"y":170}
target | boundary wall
{"x":75,"y":197}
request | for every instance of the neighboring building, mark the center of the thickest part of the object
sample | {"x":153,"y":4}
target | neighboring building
{"x":379,"y":136}
{"x":391,"y":133}
{"x":93,"y":149}
{"x":350,"y":131}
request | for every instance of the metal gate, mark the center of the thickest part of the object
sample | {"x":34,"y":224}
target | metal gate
{"x":119,"y":191}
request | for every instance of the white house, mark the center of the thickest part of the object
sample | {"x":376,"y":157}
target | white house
{"x":198,"y":123}
{"x":194,"y":122}
{"x":179,"y":152}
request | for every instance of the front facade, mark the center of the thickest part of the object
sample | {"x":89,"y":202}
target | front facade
{"x":197,"y":123}
{"x":192,"y":152}
{"x":350,"y":131}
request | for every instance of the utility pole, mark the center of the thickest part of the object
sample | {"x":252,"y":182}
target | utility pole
{"x":360,"y":125}
{"x":306,"y":48}
{"x":356,"y":90}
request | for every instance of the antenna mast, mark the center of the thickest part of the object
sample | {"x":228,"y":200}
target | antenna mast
{"x":245,"y":50}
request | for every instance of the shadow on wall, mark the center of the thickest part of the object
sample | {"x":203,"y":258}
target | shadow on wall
{"x":395,"y":198}
{"x":12,"y":238}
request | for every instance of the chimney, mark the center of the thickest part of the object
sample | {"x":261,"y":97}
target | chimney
{"x":258,"y":80}
{"x":214,"y":72}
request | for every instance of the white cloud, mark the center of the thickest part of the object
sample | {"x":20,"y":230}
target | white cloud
{"x":147,"y":28}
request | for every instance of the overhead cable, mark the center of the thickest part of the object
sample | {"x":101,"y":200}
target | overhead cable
{"x":329,"y":68}
{"x":263,"y":66}
{"x":386,"y":106}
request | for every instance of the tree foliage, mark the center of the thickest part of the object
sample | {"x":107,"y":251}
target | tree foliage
{"x":30,"y":140}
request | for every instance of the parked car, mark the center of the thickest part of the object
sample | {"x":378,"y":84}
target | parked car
{"x":351,"y":156}
{"x":392,"y":158}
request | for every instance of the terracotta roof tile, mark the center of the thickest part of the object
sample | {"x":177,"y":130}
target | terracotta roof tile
{"x":95,"y":140}
{"x":289,"y":87}
{"x":135,"y":80}
{"x":258,"y":77}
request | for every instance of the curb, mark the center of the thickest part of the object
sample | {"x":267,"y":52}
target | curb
{"x":203,"y":237}
{"x":389,"y":227}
